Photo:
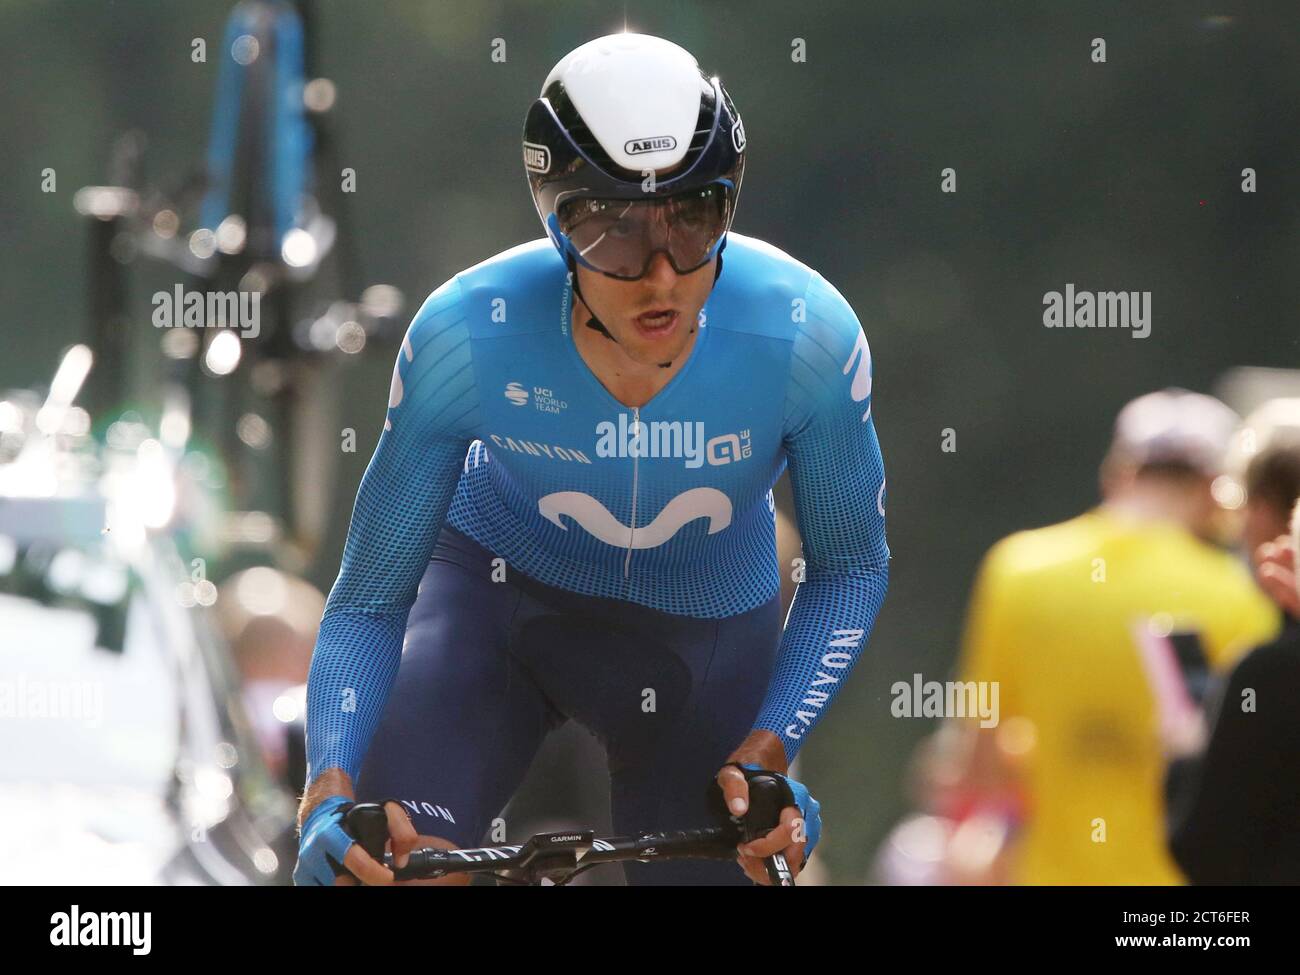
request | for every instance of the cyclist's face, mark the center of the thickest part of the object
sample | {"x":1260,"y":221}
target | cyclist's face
{"x":622,"y":307}
{"x":617,"y":237}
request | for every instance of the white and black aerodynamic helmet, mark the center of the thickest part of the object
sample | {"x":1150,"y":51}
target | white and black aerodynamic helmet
{"x":611,"y":113}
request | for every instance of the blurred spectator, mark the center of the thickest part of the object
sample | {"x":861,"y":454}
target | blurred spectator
{"x":965,"y":831}
{"x":1235,"y":819}
{"x":1094,"y":630}
{"x":270,"y":619}
{"x":1270,"y":449}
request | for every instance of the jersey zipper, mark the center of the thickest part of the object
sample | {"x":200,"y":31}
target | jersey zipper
{"x":636,"y":429}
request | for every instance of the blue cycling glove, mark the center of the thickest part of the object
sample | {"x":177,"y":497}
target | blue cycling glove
{"x":809,"y":808}
{"x":323,"y":844}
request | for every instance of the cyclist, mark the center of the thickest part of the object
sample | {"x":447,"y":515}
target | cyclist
{"x":569,"y":512}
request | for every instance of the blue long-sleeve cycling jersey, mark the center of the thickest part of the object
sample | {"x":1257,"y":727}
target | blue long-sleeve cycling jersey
{"x":496,"y":424}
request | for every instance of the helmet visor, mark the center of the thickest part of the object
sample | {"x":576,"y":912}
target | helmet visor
{"x":619,"y":237}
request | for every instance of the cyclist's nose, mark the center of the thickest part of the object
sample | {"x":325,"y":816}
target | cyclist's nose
{"x":661,"y":269}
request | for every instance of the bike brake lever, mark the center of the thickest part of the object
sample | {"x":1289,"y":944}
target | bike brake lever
{"x":367,"y":823}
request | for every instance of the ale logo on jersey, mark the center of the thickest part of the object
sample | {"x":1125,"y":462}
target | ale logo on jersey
{"x":658,"y":143}
{"x":537,"y":159}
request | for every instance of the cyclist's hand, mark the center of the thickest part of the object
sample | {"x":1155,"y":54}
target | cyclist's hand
{"x":328,"y":856}
{"x":780,"y":840}
{"x":1275,"y":568}
{"x":322,"y":844}
{"x":402,"y":837}
{"x":451,"y":880}
{"x":795,"y":837}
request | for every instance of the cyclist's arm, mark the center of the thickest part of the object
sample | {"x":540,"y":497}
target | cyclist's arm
{"x":399,"y":510}
{"x":838,"y":479}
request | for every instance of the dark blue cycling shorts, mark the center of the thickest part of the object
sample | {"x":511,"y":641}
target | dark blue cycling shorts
{"x":490,"y":668}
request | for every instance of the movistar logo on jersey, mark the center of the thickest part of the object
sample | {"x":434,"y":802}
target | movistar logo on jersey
{"x":656,"y":144}
{"x":670,"y":438}
{"x":861,"y":388}
{"x":597,"y":520}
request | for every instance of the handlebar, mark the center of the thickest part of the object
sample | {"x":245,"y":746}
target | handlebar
{"x":561,"y":855}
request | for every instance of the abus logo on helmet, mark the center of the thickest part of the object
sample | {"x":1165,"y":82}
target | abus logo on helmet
{"x":537,"y":159}
{"x":656,"y":144}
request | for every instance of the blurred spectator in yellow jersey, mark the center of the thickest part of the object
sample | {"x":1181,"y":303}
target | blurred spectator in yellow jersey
{"x":1101,"y":633}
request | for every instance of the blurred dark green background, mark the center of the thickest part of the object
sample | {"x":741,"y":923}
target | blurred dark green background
{"x":1117,"y":176}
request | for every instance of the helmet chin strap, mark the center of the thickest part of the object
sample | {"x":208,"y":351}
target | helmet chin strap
{"x":597,"y":325}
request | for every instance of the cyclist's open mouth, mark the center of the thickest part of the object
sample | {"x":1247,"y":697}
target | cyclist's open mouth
{"x":657,"y":324}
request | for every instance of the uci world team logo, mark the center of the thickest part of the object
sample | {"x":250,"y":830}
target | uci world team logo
{"x":598,"y":521}
{"x":542,"y":397}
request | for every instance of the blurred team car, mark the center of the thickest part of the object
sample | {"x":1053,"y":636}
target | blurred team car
{"x":125,"y":754}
